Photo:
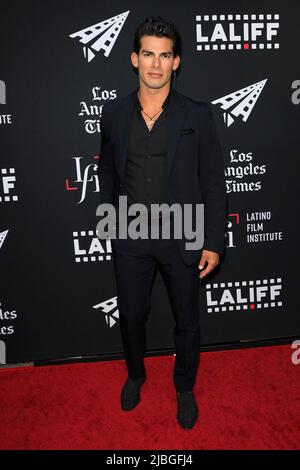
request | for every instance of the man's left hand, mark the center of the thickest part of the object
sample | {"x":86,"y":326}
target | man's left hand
{"x":212,"y":260}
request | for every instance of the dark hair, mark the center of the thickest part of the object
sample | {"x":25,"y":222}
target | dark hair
{"x":159,"y":27}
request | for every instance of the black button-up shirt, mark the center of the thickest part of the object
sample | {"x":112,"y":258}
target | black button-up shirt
{"x":146,"y":164}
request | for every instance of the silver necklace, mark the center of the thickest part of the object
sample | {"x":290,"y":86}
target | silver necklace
{"x":151,"y":118}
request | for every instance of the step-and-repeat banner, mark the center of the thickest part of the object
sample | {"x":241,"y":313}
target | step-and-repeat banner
{"x":59,"y":63}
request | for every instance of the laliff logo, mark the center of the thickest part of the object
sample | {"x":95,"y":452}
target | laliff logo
{"x":8,"y":179}
{"x":101,"y":35}
{"x":2,"y":352}
{"x":240,"y":102}
{"x":92,"y":112}
{"x":243,"y":295}
{"x":4,"y":118}
{"x":2,"y":237}
{"x":237,"y":32}
{"x":110,"y":309}
{"x":88,"y":247}
{"x":296,"y":94}
{"x":85,"y":177}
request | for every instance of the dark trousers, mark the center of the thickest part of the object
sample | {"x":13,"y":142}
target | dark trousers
{"x":135,"y":265}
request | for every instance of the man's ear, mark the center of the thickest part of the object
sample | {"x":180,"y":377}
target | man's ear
{"x":176,"y":62}
{"x":134,"y":59}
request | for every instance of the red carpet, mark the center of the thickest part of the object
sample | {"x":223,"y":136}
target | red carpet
{"x":248,"y":399}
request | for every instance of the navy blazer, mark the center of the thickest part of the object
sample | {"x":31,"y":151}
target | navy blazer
{"x":194,"y":159}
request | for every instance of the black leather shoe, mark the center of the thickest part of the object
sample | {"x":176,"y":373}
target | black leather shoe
{"x":130,"y":395}
{"x":187,"y":409}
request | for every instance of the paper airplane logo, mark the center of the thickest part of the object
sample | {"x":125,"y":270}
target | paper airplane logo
{"x":110,"y":309}
{"x":242,"y":102}
{"x":101,"y":35}
{"x":2,"y":237}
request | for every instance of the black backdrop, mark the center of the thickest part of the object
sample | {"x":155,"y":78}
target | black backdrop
{"x":57,"y":292}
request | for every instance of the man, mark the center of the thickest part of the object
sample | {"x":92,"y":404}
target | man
{"x":159,"y":146}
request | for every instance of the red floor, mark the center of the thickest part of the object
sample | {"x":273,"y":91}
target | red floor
{"x":248,"y":399}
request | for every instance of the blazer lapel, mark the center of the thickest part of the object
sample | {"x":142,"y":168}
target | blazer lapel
{"x":126,"y":111}
{"x":176,"y":115}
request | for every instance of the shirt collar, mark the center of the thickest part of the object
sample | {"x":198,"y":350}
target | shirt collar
{"x":164,"y":105}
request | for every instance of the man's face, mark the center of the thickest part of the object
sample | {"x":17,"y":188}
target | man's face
{"x":155,"y":61}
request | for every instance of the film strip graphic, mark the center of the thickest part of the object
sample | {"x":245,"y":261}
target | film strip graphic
{"x":97,"y":247}
{"x":231,"y":47}
{"x":248,"y":305}
{"x":110,"y":309}
{"x":246,"y":96}
{"x":100,"y":36}
{"x":245,"y":45}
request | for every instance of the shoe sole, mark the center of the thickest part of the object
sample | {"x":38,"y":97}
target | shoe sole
{"x":131,"y":408}
{"x":187,"y":424}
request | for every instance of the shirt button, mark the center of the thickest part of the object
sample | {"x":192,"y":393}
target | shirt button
{"x":149,"y":179}
{"x":148,"y":156}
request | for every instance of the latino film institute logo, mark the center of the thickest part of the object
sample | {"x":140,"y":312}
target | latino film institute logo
{"x":100,"y":36}
{"x":240,"y":103}
{"x":237,"y":32}
{"x":86,"y":178}
{"x":4,"y":118}
{"x":252,"y":228}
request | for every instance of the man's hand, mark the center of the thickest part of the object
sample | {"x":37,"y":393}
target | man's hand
{"x":212,"y":259}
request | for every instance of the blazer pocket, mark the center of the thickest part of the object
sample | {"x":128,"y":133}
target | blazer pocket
{"x":190,"y":130}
